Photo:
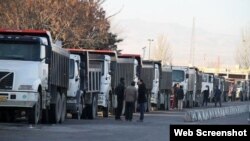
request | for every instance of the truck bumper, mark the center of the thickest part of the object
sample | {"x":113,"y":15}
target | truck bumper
{"x":18,"y":99}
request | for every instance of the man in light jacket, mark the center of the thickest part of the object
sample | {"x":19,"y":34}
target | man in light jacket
{"x":130,"y":96}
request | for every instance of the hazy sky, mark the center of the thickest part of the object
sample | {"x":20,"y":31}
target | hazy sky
{"x":218,"y":26}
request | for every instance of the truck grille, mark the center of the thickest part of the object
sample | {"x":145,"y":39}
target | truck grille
{"x":6,"y":80}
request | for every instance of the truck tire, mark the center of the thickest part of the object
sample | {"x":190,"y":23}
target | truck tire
{"x":148,"y":108}
{"x":34,"y":114}
{"x":158,"y":104}
{"x":55,"y":110}
{"x":63,"y":106}
{"x":80,"y":110}
{"x":45,"y":115}
{"x":93,"y":108}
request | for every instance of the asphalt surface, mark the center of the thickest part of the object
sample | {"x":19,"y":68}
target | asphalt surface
{"x":155,"y":127}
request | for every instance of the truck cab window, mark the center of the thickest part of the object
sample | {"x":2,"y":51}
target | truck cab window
{"x":204,"y":78}
{"x":42,"y":53}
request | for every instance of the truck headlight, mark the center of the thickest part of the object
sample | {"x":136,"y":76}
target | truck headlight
{"x":25,"y":87}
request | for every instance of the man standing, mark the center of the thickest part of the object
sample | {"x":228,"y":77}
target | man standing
{"x":141,"y":98}
{"x":175,"y":89}
{"x":130,"y":96}
{"x":180,"y":96}
{"x":205,"y":96}
{"x":217,"y":95}
{"x":119,"y":90}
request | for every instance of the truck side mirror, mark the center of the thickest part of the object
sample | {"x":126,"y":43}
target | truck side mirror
{"x":187,"y":76}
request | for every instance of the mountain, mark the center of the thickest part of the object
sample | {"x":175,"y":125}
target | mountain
{"x":209,"y":46}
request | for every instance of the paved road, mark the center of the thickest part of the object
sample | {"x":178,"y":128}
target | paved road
{"x":155,"y":127}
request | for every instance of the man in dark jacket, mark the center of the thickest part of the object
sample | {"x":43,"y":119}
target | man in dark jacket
{"x":175,"y":89}
{"x":180,"y":96}
{"x":141,"y":98}
{"x":205,"y":96}
{"x":119,"y":90}
{"x":217,"y":95}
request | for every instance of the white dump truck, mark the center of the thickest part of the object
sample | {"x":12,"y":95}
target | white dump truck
{"x":150,"y":74}
{"x":34,"y":76}
{"x":85,"y":83}
{"x":190,"y":78}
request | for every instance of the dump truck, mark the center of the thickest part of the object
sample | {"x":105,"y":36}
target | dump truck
{"x":86,"y":93}
{"x":34,"y":76}
{"x":191,"y":80}
{"x":150,"y":74}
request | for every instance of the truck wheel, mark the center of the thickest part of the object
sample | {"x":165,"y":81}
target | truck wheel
{"x":158,"y":104}
{"x":148,"y":109}
{"x":78,"y":115}
{"x":35,"y":112}
{"x":55,"y":110}
{"x":93,"y":108}
{"x":45,"y":116}
{"x":63,"y":106}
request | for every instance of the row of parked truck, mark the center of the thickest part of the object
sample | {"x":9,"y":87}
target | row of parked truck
{"x":43,"y":82}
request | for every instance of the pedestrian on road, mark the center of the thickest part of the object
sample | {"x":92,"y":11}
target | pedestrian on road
{"x":130,"y":96}
{"x":141,"y":98}
{"x":180,"y":96}
{"x":175,"y":89}
{"x":217,"y":96}
{"x":205,"y":96}
{"x":119,"y":90}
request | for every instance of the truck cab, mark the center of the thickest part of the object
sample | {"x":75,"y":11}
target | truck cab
{"x":180,"y":75}
{"x":105,"y":90}
{"x":208,"y":80}
{"x":75,"y":99}
{"x":30,"y":79}
{"x":20,"y":56}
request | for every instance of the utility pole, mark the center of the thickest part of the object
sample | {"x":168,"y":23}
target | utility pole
{"x":149,"y":44}
{"x":143,"y":52}
{"x":192,"y":47}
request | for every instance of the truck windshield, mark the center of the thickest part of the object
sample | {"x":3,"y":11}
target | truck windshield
{"x":178,"y":75}
{"x":25,"y":51}
{"x":204,"y":78}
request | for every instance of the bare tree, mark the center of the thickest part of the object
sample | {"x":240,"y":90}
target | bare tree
{"x":163,"y":51}
{"x":243,"y":51}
